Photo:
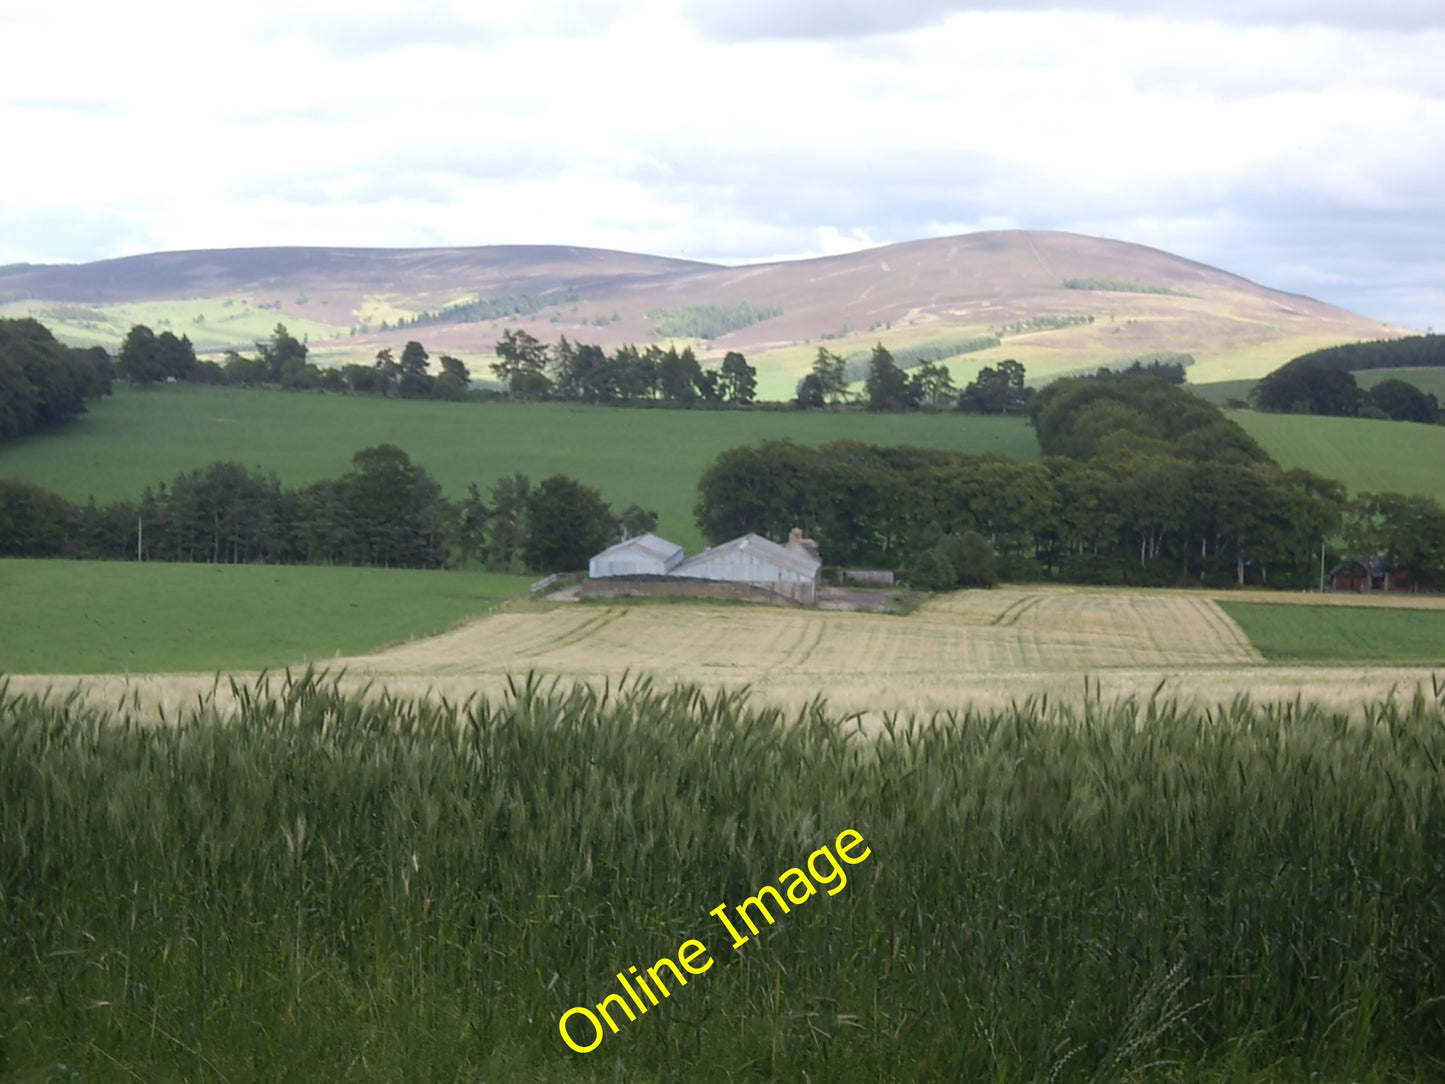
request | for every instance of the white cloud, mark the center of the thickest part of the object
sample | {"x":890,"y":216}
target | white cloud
{"x":753,"y":20}
{"x":1274,"y":138}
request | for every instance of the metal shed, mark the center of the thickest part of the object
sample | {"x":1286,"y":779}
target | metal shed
{"x":645,"y":555}
{"x":753,"y":559}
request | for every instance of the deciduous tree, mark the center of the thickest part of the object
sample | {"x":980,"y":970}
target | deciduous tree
{"x":567,"y":523}
{"x":522,"y":363}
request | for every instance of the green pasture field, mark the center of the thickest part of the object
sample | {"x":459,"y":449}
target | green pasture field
{"x":1341,"y":633}
{"x":1221,"y":390}
{"x":1368,"y":455}
{"x":97,"y":617}
{"x":213,"y":324}
{"x":1253,"y":362}
{"x":647,"y":456}
{"x":1430,"y":380}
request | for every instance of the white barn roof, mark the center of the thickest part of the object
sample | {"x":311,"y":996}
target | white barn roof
{"x":750,"y":549}
{"x":647,"y":554}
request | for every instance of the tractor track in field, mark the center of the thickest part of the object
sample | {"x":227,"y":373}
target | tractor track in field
{"x":1010,"y":616}
{"x":967,"y":649}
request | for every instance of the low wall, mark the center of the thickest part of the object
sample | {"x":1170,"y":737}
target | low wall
{"x":873,"y":577}
{"x":682,"y":587}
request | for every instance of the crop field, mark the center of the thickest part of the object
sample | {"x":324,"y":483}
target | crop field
{"x":977,"y":649}
{"x":966,"y":649}
{"x":1013,"y":629}
{"x":343,"y":887}
{"x":1347,"y":633}
{"x":651,"y":457}
{"x":96,"y":617}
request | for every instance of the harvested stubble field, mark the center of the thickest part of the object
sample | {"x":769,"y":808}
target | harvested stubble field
{"x":974,"y":648}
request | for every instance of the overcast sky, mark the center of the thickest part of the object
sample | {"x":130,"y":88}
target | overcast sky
{"x":1300,"y":143}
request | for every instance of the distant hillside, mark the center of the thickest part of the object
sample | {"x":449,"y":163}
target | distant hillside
{"x":1060,"y":302}
{"x":416,"y":277}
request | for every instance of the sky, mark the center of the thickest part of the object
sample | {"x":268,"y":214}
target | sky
{"x":1300,"y":143}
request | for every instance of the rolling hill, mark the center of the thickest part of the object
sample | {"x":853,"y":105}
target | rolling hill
{"x":1059,"y":301}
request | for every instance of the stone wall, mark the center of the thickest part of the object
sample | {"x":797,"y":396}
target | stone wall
{"x":680,"y":587}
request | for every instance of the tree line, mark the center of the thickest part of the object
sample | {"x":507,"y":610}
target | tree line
{"x":584,"y":372}
{"x":1140,"y":483}
{"x":529,"y":368}
{"x":928,"y":385}
{"x":1314,"y":388}
{"x":146,"y":358}
{"x":43,"y":382}
{"x":386,"y":511}
{"x":1411,"y":352}
{"x":709,"y":321}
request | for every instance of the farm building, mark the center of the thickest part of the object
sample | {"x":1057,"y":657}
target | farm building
{"x":790,"y":571}
{"x":1368,"y":575}
{"x":645,"y":555}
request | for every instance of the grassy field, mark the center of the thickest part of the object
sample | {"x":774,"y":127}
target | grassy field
{"x":1368,"y":456}
{"x":1220,"y":391}
{"x":1256,"y":360}
{"x":339,"y":888}
{"x":651,"y":457}
{"x":1346,"y":633}
{"x":94,"y":617}
{"x":211,"y":323}
{"x":1430,"y":380}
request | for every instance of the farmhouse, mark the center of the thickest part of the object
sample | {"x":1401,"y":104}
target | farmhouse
{"x":645,"y":555}
{"x":789,"y":571}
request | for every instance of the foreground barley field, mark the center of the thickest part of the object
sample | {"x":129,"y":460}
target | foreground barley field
{"x":322,"y":886}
